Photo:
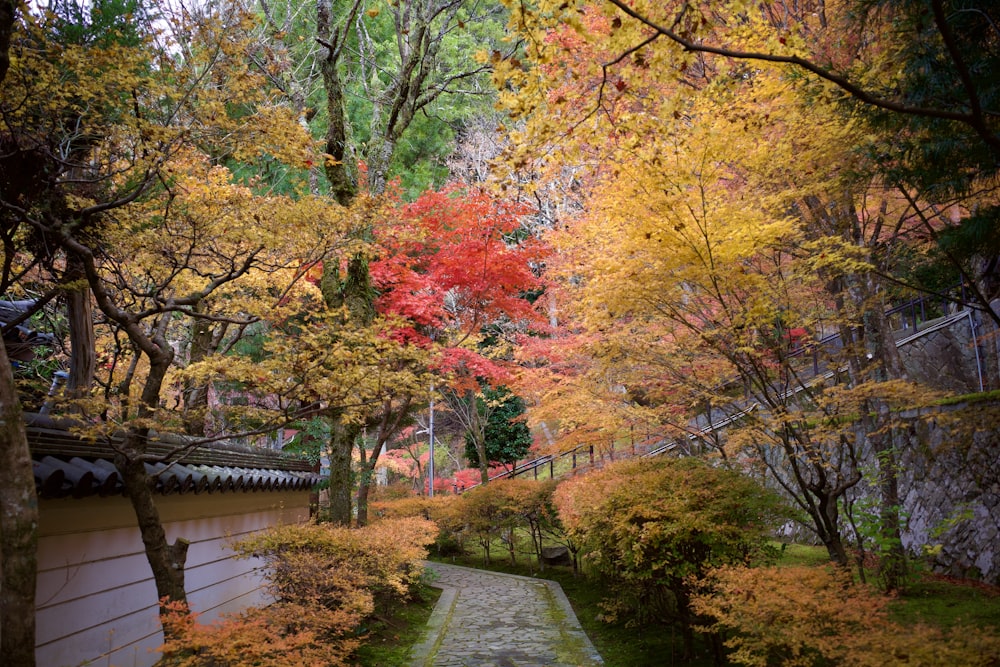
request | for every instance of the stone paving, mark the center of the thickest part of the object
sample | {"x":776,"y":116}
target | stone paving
{"x":489,"y":619}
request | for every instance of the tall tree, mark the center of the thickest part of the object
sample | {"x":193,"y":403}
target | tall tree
{"x":456,"y":263}
{"x":19,"y":520}
{"x":702,"y":249}
{"x":417,"y":73}
{"x":8,"y":17}
{"x":133,"y":195}
{"x":18,"y":527}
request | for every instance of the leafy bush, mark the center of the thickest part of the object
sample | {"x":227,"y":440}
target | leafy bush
{"x":654,"y":526}
{"x":325,"y":580}
{"x":280,"y":635}
{"x":394,"y":491}
{"x":405,"y":507}
{"x":496,"y":511}
{"x":804,"y":616}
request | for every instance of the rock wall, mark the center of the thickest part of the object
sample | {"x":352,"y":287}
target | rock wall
{"x":950,"y":488}
{"x":958,"y":356}
{"x":950,"y":460}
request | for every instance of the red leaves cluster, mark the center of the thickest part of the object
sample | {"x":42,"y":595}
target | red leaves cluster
{"x":450,"y":260}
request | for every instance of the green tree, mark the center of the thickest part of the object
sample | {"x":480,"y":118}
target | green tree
{"x":504,"y":437}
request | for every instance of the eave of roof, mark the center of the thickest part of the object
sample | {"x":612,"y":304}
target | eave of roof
{"x":67,"y":465}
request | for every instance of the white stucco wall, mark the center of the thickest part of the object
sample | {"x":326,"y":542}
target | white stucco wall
{"x":96,"y":601}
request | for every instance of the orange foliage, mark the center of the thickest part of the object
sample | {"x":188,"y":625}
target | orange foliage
{"x":281,"y":635}
{"x":801,"y":616}
{"x":412,"y":506}
{"x":326,"y":581}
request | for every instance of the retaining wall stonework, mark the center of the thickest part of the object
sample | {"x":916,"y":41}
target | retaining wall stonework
{"x":949,"y":483}
{"x":960,"y":357}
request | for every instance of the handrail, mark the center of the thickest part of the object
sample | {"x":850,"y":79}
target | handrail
{"x":813,"y":347}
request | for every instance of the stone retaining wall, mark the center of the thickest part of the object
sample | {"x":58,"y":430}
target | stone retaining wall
{"x":950,"y":488}
{"x":954,"y":358}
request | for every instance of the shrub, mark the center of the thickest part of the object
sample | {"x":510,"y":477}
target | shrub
{"x":498,"y":509}
{"x":803,"y":616}
{"x":654,"y":526}
{"x":280,"y":635}
{"x":325,"y":581}
{"x":394,"y":491}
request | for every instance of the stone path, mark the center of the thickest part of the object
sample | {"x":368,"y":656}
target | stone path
{"x":489,"y":619}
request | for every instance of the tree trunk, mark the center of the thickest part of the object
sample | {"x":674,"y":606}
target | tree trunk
{"x":83,"y":347}
{"x":82,"y":343}
{"x":884,"y":365}
{"x":165,"y":560}
{"x":18,"y":528}
{"x":356,"y":293}
{"x":484,"y":466}
{"x":339,"y":168}
{"x":829,"y":532}
{"x":365,"y":483}
{"x":364,"y":488}
{"x":342,"y":437}
{"x":196,"y":396}
{"x":8,"y":13}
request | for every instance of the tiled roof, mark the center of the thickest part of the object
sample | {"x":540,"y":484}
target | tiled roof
{"x":67,"y":465}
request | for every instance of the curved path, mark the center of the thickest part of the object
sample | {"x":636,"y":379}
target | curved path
{"x":489,"y":619}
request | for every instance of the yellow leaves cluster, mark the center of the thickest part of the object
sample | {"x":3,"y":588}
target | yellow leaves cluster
{"x":716,"y":192}
{"x":384,"y":556}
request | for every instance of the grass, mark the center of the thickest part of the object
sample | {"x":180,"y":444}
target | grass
{"x":942,"y":601}
{"x":388,"y":639}
{"x":929,"y":598}
{"x":802,"y":554}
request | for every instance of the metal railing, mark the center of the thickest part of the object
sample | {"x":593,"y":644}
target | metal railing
{"x":912,"y":317}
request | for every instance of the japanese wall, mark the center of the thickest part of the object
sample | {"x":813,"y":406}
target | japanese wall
{"x":96,"y":601}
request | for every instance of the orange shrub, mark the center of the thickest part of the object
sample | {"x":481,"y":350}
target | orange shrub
{"x":281,"y":635}
{"x":412,"y":506}
{"x":651,"y":527}
{"x":325,"y":580}
{"x":804,"y":616}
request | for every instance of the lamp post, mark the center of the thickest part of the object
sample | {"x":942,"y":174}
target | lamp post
{"x":430,"y":433}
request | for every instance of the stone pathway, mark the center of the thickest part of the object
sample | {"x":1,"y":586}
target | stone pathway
{"x":489,"y":619}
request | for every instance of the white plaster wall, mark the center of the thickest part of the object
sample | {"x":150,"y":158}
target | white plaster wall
{"x":96,"y":601}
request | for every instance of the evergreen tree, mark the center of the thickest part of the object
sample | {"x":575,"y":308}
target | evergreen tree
{"x":506,"y":436}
